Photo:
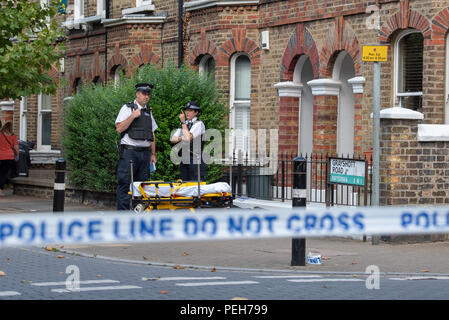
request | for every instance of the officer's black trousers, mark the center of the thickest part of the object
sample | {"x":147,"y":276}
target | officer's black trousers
{"x":141,"y":170}
{"x":189,"y":172}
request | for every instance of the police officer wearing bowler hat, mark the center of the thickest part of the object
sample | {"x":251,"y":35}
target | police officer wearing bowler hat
{"x":136,"y":126}
{"x":190,"y":133}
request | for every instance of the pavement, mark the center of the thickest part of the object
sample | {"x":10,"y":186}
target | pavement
{"x":339,"y":255}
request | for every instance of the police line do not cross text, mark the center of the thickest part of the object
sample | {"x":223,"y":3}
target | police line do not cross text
{"x":218,"y":224}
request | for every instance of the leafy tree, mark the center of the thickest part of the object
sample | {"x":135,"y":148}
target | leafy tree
{"x":90,"y":138}
{"x":29,"y":36}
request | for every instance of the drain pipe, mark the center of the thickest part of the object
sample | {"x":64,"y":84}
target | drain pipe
{"x":180,"y":33}
{"x":107,"y":14}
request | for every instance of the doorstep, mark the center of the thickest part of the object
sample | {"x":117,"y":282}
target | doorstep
{"x":37,"y":177}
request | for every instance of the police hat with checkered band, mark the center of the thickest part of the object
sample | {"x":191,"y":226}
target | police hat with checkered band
{"x":192,"y":105}
{"x":144,"y":87}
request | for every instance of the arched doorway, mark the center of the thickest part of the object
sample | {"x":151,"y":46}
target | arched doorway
{"x":343,"y":71}
{"x":302,"y":74}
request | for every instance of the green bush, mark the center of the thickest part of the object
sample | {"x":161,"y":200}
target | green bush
{"x":89,"y":142}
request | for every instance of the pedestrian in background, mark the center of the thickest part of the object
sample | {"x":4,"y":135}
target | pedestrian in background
{"x":9,"y":151}
{"x":136,"y":126}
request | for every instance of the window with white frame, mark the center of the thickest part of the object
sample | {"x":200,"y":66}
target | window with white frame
{"x":142,"y":6}
{"x":44,"y":4}
{"x":408,"y":56}
{"x":140,"y":3}
{"x":23,"y":118}
{"x":78,"y":10}
{"x":240,"y":103}
{"x":101,"y":8}
{"x":44,"y":123}
{"x":117,"y":73}
{"x":207,"y":66}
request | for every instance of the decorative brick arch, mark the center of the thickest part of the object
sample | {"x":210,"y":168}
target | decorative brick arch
{"x":76,"y":73}
{"x":54,"y":73}
{"x":300,"y":43}
{"x":404,"y":19}
{"x":341,"y":38}
{"x":238,"y":43}
{"x":145,"y":56}
{"x":97,"y":70}
{"x":117,"y":59}
{"x":440,"y":27}
{"x":203,"y":47}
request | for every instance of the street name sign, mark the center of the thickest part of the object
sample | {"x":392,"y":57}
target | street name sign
{"x":347,"y":171}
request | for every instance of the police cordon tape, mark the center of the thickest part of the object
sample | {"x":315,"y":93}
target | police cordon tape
{"x":217,"y":224}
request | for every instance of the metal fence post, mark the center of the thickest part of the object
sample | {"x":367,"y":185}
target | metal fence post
{"x":240,"y":174}
{"x":299,"y":199}
{"x":59,"y":186}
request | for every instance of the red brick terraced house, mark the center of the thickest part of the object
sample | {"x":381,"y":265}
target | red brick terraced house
{"x":291,"y":65}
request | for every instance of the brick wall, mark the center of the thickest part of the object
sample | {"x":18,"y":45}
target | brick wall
{"x":412,"y":172}
{"x":288,"y":128}
{"x":325,"y":124}
{"x":85,"y":197}
{"x":325,"y":26}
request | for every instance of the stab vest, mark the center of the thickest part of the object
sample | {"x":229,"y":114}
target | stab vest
{"x":142,"y":127}
{"x":189,"y":126}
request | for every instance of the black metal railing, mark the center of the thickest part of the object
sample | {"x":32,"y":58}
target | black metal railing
{"x":271,"y":179}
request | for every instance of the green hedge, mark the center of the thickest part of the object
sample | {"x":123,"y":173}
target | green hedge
{"x":89,"y":141}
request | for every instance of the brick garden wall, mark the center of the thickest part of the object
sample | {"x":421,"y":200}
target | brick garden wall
{"x":412,"y":172}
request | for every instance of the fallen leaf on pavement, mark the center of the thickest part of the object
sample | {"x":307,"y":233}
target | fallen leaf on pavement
{"x":213,"y":269}
{"x":163,"y":291}
{"x":150,"y":279}
{"x":325,"y":258}
{"x":144,"y":258}
{"x":185,"y":253}
{"x":178,"y":267}
{"x":48,"y":248}
{"x":425,"y":270}
{"x":60,"y":257}
{"x":2,"y":273}
{"x":353,"y":262}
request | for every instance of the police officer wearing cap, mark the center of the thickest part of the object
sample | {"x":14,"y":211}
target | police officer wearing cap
{"x":136,"y":126}
{"x":190,"y":133}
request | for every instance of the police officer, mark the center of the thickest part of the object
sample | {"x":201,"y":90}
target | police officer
{"x":190,"y":133}
{"x":136,"y":126}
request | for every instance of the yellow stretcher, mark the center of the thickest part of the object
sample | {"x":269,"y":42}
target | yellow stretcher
{"x":152,"y":195}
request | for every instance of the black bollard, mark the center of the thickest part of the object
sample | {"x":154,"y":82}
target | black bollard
{"x":299,"y":198}
{"x":59,"y":187}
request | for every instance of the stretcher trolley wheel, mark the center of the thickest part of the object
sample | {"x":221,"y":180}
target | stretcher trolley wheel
{"x":140,"y":208}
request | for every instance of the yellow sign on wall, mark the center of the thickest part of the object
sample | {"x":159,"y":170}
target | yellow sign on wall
{"x":375,"y":53}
